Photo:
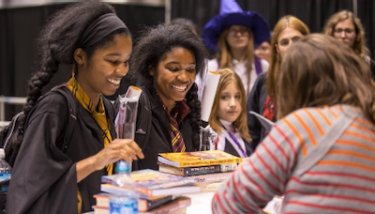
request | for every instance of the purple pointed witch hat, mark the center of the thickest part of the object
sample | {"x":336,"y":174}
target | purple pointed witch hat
{"x":232,"y":14}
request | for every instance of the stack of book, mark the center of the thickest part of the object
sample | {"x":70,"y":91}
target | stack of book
{"x":197,"y":163}
{"x":159,"y":205}
{"x":154,"y":190}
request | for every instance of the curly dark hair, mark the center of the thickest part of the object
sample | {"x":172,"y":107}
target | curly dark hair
{"x":58,"y":40}
{"x":150,"y":49}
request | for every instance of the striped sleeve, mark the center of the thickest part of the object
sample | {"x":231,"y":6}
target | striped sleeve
{"x":263,"y":175}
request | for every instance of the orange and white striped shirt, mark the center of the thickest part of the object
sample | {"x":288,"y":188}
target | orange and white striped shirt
{"x":295,"y":161}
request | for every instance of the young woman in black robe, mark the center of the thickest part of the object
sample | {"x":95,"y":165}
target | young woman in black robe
{"x":167,"y":59}
{"x":47,"y":178}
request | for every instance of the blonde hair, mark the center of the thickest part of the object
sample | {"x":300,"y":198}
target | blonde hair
{"x":317,"y":71}
{"x":240,"y":124}
{"x":359,"y":45}
{"x":225,"y":57}
{"x":283,"y":23}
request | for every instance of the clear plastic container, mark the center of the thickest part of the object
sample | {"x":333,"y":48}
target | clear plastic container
{"x":5,"y":172}
{"x":123,"y":167}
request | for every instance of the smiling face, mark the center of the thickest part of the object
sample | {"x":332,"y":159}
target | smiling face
{"x":230,"y":102}
{"x":174,"y":75}
{"x":103,"y":71}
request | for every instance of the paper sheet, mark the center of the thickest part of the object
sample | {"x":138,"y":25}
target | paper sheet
{"x":209,"y":93}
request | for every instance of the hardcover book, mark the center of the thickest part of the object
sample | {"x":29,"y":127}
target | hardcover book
{"x":200,"y":170}
{"x":212,"y":178}
{"x":175,"y":206}
{"x":199,"y":158}
{"x":146,"y":178}
{"x":148,"y":183}
{"x":102,"y":200}
{"x":149,"y":194}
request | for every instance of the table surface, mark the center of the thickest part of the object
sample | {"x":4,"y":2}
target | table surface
{"x":201,"y":203}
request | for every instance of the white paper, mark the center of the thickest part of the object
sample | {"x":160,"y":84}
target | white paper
{"x":266,"y":123}
{"x":209,"y":93}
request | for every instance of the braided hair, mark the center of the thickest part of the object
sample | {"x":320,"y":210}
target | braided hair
{"x":153,"y":45}
{"x":58,"y":40}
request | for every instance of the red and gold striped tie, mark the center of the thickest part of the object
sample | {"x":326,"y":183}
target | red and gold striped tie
{"x":178,"y":144}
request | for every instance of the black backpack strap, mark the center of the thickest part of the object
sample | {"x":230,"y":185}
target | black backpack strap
{"x":110,"y":108}
{"x":72,"y":106}
{"x":111,"y":114}
{"x":9,"y":137}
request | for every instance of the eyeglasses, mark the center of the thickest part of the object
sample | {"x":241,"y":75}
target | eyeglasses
{"x":234,"y":31}
{"x":341,"y":30}
{"x":287,"y":41}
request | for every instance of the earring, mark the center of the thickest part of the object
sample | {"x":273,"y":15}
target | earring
{"x":74,"y":70}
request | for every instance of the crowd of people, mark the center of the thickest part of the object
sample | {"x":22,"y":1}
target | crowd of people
{"x":317,"y":88}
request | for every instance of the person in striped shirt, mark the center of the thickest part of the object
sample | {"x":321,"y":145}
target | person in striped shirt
{"x":321,"y":153}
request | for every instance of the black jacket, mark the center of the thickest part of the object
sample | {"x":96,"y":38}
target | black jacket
{"x":372,"y":65}
{"x":231,"y":150}
{"x":153,"y":130}
{"x":255,"y":103}
{"x":44,"y":178}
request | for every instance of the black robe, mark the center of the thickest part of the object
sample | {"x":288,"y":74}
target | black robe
{"x":153,"y":131}
{"x":231,"y":150}
{"x":256,"y":103}
{"x":44,"y":178}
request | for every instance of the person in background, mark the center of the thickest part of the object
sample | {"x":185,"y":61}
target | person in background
{"x":320,"y":154}
{"x":50,"y":179}
{"x":262,"y":99}
{"x":186,"y":22}
{"x":264,"y":51}
{"x":228,"y":118}
{"x":348,"y":28}
{"x":232,"y":36}
{"x":167,"y":59}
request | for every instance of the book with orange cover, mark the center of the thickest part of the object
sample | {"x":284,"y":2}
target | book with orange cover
{"x":199,"y":158}
{"x":199,"y":170}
